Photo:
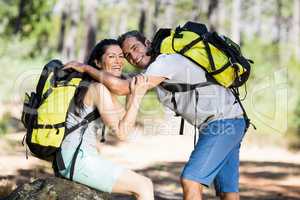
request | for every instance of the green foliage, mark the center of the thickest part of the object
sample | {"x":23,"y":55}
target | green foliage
{"x":35,"y":24}
{"x":4,"y":123}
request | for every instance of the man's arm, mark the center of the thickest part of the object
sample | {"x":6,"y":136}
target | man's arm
{"x":153,"y":81}
{"x":113,"y":83}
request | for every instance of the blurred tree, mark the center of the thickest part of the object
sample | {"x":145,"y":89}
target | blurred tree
{"x":74,"y":16}
{"x":222,"y":11}
{"x":157,"y":4}
{"x":212,"y":8}
{"x":90,"y":13}
{"x":257,"y":19}
{"x":63,"y":23}
{"x":296,"y":29}
{"x":196,"y":9}
{"x":124,"y":17}
{"x":18,"y":23}
{"x":170,"y":14}
{"x":235,"y":21}
{"x":278,"y":22}
{"x":31,"y":20}
{"x":144,"y":6}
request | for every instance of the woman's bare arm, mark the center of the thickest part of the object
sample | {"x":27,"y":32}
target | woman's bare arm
{"x":111,"y":114}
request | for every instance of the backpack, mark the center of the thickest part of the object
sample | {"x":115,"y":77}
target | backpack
{"x":45,"y":111}
{"x":217,"y":55}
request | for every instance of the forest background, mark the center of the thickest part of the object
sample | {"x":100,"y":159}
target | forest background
{"x":33,"y":32}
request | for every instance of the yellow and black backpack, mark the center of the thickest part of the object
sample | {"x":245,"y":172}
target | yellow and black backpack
{"x":217,"y":55}
{"x":45,"y":110}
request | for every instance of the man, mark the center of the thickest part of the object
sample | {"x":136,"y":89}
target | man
{"x":212,"y":108}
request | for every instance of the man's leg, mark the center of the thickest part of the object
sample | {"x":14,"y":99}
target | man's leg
{"x":230,"y":196}
{"x":191,"y":190}
{"x":216,"y":142}
{"x":227,"y":180}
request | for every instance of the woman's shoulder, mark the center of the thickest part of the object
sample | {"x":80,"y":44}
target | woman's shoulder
{"x":98,"y":90}
{"x":98,"y":86}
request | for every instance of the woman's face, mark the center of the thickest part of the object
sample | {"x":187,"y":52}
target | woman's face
{"x":113,"y":60}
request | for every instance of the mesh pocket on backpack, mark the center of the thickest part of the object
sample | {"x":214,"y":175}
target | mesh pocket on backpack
{"x":29,"y":113}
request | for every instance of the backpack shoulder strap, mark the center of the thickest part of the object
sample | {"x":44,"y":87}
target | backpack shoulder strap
{"x":183,"y":87}
{"x":86,"y":120}
{"x":59,"y":160}
{"x":48,"y":68}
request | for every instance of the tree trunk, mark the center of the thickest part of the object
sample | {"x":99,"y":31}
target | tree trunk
{"x":169,"y":13}
{"x":91,"y":23}
{"x":142,"y":21}
{"x":18,"y":23}
{"x":195,"y":14}
{"x":157,"y":4}
{"x":62,"y":31}
{"x":279,"y":36}
{"x":211,"y":14}
{"x":70,"y":42}
{"x":257,"y":16}
{"x":296,"y":29}
{"x":123,"y":17}
{"x":222,"y":11}
{"x":113,"y":25}
{"x":278,"y":20}
{"x":235,"y":26}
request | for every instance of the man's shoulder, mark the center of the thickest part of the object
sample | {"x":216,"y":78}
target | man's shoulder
{"x":169,"y":57}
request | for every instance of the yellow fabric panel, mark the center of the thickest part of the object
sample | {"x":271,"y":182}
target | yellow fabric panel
{"x":199,"y":54}
{"x":53,"y":111}
{"x":48,"y":137}
{"x":54,"y":108}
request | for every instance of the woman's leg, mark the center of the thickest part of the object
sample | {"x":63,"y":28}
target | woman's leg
{"x":129,"y":182}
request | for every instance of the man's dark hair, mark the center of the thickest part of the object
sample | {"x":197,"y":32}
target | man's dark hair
{"x":139,"y":36}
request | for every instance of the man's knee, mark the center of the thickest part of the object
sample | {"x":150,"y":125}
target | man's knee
{"x":229,"y":195}
{"x":189,"y":185}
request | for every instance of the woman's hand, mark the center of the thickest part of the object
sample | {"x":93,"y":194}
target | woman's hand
{"x":77,"y":66}
{"x":139,"y":85}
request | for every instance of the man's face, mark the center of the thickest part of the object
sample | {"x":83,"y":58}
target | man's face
{"x":135,"y":52}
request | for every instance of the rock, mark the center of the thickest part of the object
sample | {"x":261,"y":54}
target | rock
{"x":54,"y":188}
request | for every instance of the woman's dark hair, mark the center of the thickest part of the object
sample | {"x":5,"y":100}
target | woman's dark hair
{"x":96,"y":54}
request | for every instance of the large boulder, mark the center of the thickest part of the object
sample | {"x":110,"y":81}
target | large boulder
{"x":54,"y":188}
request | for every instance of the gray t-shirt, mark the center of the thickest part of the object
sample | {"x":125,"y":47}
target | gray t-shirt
{"x":215,"y":101}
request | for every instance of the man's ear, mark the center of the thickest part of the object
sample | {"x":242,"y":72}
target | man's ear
{"x":147,"y":43}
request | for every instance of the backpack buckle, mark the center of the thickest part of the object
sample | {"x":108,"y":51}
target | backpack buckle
{"x":85,"y":122}
{"x":48,"y":126}
{"x":233,"y":64}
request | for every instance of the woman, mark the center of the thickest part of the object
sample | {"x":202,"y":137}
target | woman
{"x":91,"y":168}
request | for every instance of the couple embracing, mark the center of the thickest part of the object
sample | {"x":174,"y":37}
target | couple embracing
{"x":219,"y":119}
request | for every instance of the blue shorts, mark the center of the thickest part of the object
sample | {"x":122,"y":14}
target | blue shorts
{"x":215,"y":158}
{"x":91,"y":169}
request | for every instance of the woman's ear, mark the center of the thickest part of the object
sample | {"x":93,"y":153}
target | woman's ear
{"x":98,"y":63}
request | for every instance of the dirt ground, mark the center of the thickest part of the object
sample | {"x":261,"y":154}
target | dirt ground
{"x":266,"y":172}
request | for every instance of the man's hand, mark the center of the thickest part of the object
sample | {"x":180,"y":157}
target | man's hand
{"x":139,"y":85}
{"x":77,"y":66}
